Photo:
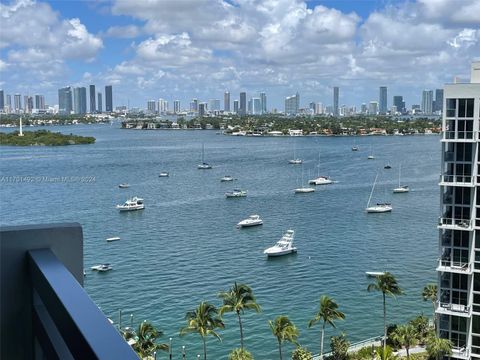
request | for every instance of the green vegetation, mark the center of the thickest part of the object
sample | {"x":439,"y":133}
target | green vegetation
{"x":339,"y":346}
{"x":52,"y":119}
{"x":144,"y":339}
{"x":238,"y":299}
{"x":406,"y":336}
{"x":43,"y":138}
{"x":327,"y":314}
{"x":301,"y":353}
{"x":240,"y":354}
{"x":430,"y":294}
{"x":438,"y":348}
{"x":284,"y":330}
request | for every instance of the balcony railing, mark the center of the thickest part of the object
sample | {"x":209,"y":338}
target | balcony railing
{"x":459,"y":309}
{"x":463,"y":180}
{"x":454,"y":266}
{"x":459,"y":135}
{"x":460,"y":351}
{"x":460,"y":224}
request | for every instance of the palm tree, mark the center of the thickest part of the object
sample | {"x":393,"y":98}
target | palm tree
{"x":327,"y":313}
{"x":430,"y":293}
{"x":203,"y":320}
{"x":387,"y":285}
{"x":406,"y":336}
{"x":437,"y":347}
{"x":144,"y":339}
{"x":284,"y":330}
{"x":239,"y":298}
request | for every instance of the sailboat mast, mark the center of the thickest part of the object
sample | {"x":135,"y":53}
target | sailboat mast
{"x":203,"y":153}
{"x":399,"y":171}
{"x":371,"y":193}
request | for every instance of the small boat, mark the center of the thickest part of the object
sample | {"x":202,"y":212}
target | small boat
{"x":164,"y":174}
{"x":132,"y":204}
{"x":304,"y":190}
{"x":354,"y":148}
{"x":374,"y":273}
{"x":236,"y":193}
{"x":401,"y":188}
{"x":284,"y":246}
{"x":379,"y":207}
{"x":253,"y":220}
{"x":295,"y":161}
{"x":115,"y":238}
{"x":370,"y":157}
{"x":204,"y":165}
{"x":123,"y":186}
{"x":227,"y":178}
{"x":102,"y":267}
{"x":387,"y":166}
{"x":321,"y":180}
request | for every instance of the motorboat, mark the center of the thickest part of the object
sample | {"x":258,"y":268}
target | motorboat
{"x":370,"y":157}
{"x":321,"y":180}
{"x":354,"y":148}
{"x":164,"y":174}
{"x":132,"y":204}
{"x":284,"y":246}
{"x":114,"y":238}
{"x":227,"y":178}
{"x":295,"y":161}
{"x":401,"y":188}
{"x":236,"y":193}
{"x":102,"y":267}
{"x":304,"y":190}
{"x":388,"y":166}
{"x":379,"y":207}
{"x":374,"y":273}
{"x":252,"y":220}
{"x":123,"y":186}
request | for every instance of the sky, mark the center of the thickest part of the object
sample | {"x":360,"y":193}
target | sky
{"x":184,"y":49}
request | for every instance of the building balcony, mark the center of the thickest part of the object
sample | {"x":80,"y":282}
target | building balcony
{"x":459,"y":136}
{"x":461,"y":352}
{"x":45,"y":312}
{"x":453,"y":309}
{"x":454,"y":267}
{"x":456,"y":180}
{"x":454,"y":224}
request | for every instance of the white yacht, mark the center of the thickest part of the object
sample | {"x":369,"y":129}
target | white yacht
{"x":304,"y":190}
{"x":134,"y":203}
{"x":295,"y":161}
{"x":253,"y":220}
{"x":236,"y":193}
{"x":164,"y":174}
{"x":401,"y":188}
{"x":227,"y":178}
{"x":284,"y":246}
{"x":102,"y":267}
{"x":124,"y":186}
{"x":321,"y":180}
{"x":379,"y":207}
{"x":114,"y":238}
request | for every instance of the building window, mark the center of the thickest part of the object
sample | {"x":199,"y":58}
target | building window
{"x":465,"y":108}
{"x":451,"y":107}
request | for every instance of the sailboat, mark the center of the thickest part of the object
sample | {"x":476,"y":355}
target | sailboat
{"x":354,"y":147}
{"x":371,"y":157}
{"x":303,"y":190}
{"x":379,"y":207}
{"x":204,"y":165}
{"x":295,"y":160}
{"x":400,"y":188}
{"x":320,"y":180}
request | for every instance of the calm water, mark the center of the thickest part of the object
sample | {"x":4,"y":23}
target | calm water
{"x":184,"y":247}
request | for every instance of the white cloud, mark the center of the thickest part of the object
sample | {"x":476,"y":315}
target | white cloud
{"x":125,"y":32}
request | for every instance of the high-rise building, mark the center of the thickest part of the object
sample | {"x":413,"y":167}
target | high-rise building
{"x":399,"y":103}
{"x":256,"y":106}
{"x":151,"y":106}
{"x":438,"y":100}
{"x":18,"y":103}
{"x":335,"y":100}
{"x":195,"y":105}
{"x":226,"y":101}
{"x":99,"y":103}
{"x":80,"y":100}
{"x":108,"y":98}
{"x":9,"y":103}
{"x":242,"y":110}
{"x":93,"y":96}
{"x":458,"y":302}
{"x":214,"y":104}
{"x":427,"y":102}
{"x":176,"y":106}
{"x":235,"y":106}
{"x":363,"y":108}
{"x":263,"y":100}
{"x":162,"y":106}
{"x":2,"y":101}
{"x":373,"y":108}
{"x":39,"y":102}
{"x":382,"y":100}
{"x":292,"y":103}
{"x":201,"y":109}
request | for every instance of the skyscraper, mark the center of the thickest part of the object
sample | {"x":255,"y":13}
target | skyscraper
{"x":427,"y":102}
{"x":39,"y":102}
{"x":263,"y":100}
{"x":214,"y":104}
{"x":226,"y":101}
{"x":93,"y":95}
{"x":99,"y":103}
{"x":201,"y":109}
{"x":438,"y":100}
{"x":80,"y":100}
{"x":382,"y":100}
{"x":18,"y":102}
{"x":399,"y":103}
{"x":176,"y":106}
{"x":256,"y":106}
{"x":292,"y":103}
{"x":335,"y":100}
{"x":235,"y":106}
{"x":242,"y":110}
{"x":458,"y":302}
{"x":151,"y":106}
{"x":65,"y":101}
{"x":162,"y":106}
{"x":108,"y":98}
{"x":373,"y":108}
{"x":9,"y":103}
{"x":2,"y":101}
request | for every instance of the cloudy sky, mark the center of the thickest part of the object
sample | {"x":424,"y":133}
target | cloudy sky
{"x":181,"y":49}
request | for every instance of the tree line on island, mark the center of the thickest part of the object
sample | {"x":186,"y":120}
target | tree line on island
{"x":43,"y":138}
{"x":206,"y":320}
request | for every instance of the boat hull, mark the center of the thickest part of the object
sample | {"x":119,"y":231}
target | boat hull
{"x":378,"y":209}
{"x":400,"y":190}
{"x":320,"y":181}
{"x":304,"y":190}
{"x":131,"y":208}
{"x":250,"y":224}
{"x":281,"y":253}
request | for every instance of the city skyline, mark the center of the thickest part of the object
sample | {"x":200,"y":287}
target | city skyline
{"x":277,"y":48}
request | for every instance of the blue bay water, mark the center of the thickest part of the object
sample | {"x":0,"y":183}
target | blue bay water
{"x":184,"y":247}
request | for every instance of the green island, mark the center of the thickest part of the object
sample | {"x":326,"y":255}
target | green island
{"x":43,"y":138}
